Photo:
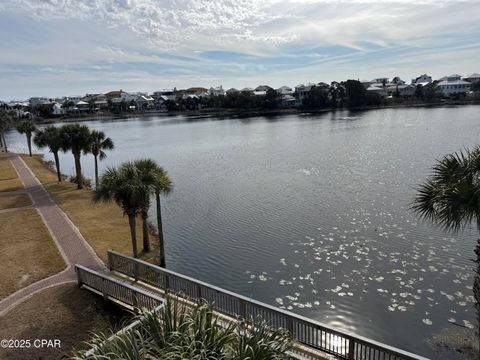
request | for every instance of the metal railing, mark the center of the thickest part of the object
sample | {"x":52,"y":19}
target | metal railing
{"x":111,"y":288}
{"x":312,"y":334}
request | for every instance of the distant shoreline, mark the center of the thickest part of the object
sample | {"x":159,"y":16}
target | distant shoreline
{"x":246,"y":113}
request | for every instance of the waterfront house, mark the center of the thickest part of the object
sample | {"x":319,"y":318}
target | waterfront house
{"x":82,"y":106}
{"x":288,"y":101}
{"x":422,"y":80}
{"x":302,"y":90}
{"x":380,"y":90}
{"x":170,"y":94}
{"x":217,"y":91}
{"x":284,"y":90}
{"x":232,"y":91}
{"x":263,"y":88}
{"x":145,"y":102}
{"x":397,"y":81}
{"x":472,"y":78}
{"x":453,"y":85}
{"x":247,"y":90}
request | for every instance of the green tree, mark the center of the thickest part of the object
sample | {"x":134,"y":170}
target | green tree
{"x":77,"y":139}
{"x":451,"y":198}
{"x":124,"y":187}
{"x":28,"y":128}
{"x":50,"y":137}
{"x":158,"y":183}
{"x":316,"y":98}
{"x":5,"y":122}
{"x":99,"y":143}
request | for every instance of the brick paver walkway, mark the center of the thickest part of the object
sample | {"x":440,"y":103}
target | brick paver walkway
{"x":70,"y":243}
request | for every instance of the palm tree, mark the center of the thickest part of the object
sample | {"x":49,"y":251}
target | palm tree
{"x":50,"y":137}
{"x":99,"y":143}
{"x":123,"y":186}
{"x":5,"y":121}
{"x":198,"y":333}
{"x":76,"y":138}
{"x":451,"y":197}
{"x":158,"y":182}
{"x":28,"y":128}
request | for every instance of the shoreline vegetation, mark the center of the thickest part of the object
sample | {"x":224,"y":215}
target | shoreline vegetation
{"x":238,"y":113}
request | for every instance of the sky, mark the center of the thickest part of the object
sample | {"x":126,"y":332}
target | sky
{"x":72,"y":47}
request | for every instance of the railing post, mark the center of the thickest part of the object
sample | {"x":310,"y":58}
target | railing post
{"x":351,"y":348}
{"x":199,"y":292}
{"x":79,"y":277}
{"x":242,"y":308}
{"x":135,"y":271}
{"x":167,"y":282}
{"x":104,"y":292}
{"x":135,"y":299}
{"x":110,"y":261}
{"x":290,"y":325}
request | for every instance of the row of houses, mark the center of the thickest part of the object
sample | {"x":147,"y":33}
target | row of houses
{"x":448,"y":85}
{"x":288,"y":97}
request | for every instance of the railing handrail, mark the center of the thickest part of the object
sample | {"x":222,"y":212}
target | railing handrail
{"x":118,"y":282}
{"x":288,"y":314}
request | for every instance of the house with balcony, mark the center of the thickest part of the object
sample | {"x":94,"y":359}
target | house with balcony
{"x":453,"y":85}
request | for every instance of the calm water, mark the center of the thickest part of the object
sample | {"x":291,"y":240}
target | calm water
{"x":311,"y":213}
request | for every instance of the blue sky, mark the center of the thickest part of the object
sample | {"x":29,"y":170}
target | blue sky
{"x":65,"y":47}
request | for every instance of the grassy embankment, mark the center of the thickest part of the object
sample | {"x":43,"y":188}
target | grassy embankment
{"x":28,"y":251}
{"x":102,"y":225}
{"x":67,"y":313}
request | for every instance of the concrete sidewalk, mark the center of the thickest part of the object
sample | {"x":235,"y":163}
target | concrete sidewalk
{"x":70,"y":242}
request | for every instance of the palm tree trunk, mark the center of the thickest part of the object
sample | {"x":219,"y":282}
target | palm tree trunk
{"x":96,"y":171}
{"x":146,"y":238}
{"x":57,"y":165}
{"x":133,"y":233}
{"x":4,"y":142}
{"x":1,"y":139}
{"x":161,"y":242}
{"x":476,"y":292}
{"x":78,"y":170}
{"x":29,"y":142}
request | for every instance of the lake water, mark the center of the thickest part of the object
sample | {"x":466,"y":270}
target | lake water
{"x":311,"y":212}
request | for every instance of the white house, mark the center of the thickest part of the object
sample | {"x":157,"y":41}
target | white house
{"x":57,"y":109}
{"x":216,"y":91}
{"x":422,"y":80}
{"x":453,"y":85}
{"x":378,"y":90}
{"x":472,"y":78}
{"x":145,"y":102}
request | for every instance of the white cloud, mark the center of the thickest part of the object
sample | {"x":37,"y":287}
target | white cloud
{"x":90,"y":39}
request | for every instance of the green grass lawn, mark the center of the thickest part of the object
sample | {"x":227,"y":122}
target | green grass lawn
{"x":28,"y":252}
{"x":63,"y":312}
{"x":103,"y":225}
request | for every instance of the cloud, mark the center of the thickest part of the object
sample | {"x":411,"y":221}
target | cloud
{"x":229,"y":41}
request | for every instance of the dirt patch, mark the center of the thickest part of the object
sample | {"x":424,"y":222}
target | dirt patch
{"x":65,"y":313}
